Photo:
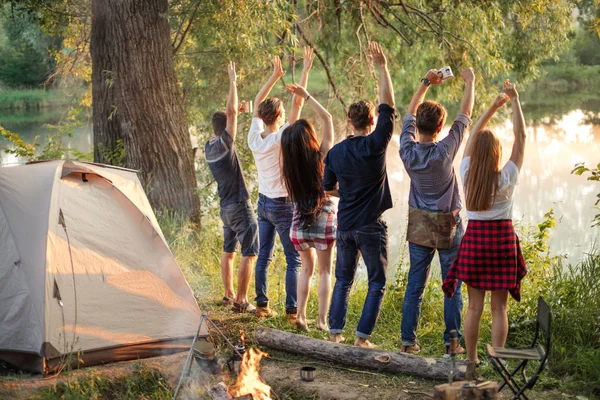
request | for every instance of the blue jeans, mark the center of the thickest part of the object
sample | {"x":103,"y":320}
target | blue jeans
{"x":418,"y":274}
{"x":276,"y":216}
{"x":371,"y":241}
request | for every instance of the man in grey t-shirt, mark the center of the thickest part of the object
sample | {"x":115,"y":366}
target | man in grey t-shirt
{"x":239,"y":221}
{"x":433,"y":188}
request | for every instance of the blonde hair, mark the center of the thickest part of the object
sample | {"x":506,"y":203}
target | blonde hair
{"x":481,"y":181}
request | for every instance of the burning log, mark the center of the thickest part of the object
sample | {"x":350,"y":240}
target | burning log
{"x":219,"y":392}
{"x":432,"y":368}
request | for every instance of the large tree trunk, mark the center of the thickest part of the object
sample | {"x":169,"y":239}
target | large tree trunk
{"x":136,"y":98}
{"x":433,"y":368}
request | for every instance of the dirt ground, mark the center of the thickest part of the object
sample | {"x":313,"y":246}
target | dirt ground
{"x":331,"y":382}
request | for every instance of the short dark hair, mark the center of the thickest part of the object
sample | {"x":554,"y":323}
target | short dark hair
{"x":219,"y":122}
{"x":361,"y":114}
{"x":270,"y":109}
{"x":430,"y":116}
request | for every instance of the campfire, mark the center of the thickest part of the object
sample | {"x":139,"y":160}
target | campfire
{"x":249,"y":381}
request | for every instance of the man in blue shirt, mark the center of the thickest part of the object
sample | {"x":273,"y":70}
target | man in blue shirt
{"x":239,"y":221}
{"x":357,"y":166}
{"x":433,"y":193}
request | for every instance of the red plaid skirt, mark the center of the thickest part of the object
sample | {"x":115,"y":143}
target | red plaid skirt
{"x":321,"y":234}
{"x":489,"y":258}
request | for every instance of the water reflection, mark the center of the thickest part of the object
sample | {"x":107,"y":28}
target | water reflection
{"x":554,"y":147}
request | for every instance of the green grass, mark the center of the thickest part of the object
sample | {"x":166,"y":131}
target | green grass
{"x":28,"y":99}
{"x":573,"y":293}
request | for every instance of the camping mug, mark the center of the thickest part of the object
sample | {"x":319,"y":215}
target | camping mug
{"x":247,"y":104}
{"x":307,"y":374}
{"x":446,"y":73}
{"x":235,"y":362}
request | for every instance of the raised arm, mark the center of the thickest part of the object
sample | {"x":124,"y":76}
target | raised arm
{"x":298,"y":101}
{"x":386,"y":89}
{"x":432,"y":77}
{"x":518,"y":150}
{"x":466,"y":107}
{"x":482,"y":122}
{"x":264,"y":91}
{"x":327,"y":142}
{"x":231,"y":109}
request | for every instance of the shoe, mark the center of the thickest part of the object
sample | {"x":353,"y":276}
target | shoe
{"x":459,"y":350}
{"x":243,"y":308}
{"x":414,"y":349}
{"x":226,"y":302}
{"x":265,"y":312}
{"x":291,"y":317}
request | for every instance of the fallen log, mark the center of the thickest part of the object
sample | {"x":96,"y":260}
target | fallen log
{"x":381,"y":360}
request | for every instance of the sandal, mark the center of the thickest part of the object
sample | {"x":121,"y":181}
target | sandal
{"x":226,"y":302}
{"x":243,"y":308}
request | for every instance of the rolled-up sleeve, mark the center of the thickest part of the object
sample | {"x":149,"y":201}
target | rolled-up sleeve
{"x":454,"y":139}
{"x":382,"y":134}
{"x":329,"y":177}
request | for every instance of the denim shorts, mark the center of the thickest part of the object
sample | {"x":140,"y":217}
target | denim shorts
{"x":240,"y":225}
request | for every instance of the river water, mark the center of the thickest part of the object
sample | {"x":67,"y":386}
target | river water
{"x":545,"y":182}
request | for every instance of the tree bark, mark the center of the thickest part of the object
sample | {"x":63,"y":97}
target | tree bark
{"x":360,"y":357}
{"x":136,"y":97}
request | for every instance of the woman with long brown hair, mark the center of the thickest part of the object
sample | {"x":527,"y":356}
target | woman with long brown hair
{"x":314,"y":223}
{"x":489,"y":258}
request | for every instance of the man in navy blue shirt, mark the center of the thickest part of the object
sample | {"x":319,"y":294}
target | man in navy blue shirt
{"x":357,"y":166}
{"x":239,"y":221}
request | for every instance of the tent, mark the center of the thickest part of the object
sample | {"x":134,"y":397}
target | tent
{"x":86,"y":275}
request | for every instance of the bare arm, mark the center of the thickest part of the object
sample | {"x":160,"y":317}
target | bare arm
{"x":482,"y":122}
{"x":466,"y":107}
{"x":434,"y":78}
{"x":231,"y":109}
{"x":327,"y":142}
{"x":518,"y":151}
{"x":334,"y":192}
{"x":298,"y":101}
{"x":264,"y":91}
{"x":386,"y":89}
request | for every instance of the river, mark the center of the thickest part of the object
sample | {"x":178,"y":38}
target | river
{"x":553,"y":148}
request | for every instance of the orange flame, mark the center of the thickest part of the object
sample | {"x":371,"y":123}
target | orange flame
{"x":242,"y":337}
{"x":249,"y":381}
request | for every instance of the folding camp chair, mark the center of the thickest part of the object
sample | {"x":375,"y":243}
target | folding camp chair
{"x":497,"y":355}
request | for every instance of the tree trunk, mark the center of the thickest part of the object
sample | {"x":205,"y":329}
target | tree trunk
{"x":136,"y":98}
{"x":433,"y":368}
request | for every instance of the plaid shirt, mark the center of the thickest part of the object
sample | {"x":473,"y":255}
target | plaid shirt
{"x":433,"y":184}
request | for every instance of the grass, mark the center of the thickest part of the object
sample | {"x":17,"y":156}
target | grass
{"x":34,"y":99}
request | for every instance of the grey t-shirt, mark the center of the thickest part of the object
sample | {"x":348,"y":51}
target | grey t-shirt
{"x":226,"y":168}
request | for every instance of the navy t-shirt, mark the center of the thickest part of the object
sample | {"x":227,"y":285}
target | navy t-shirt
{"x":225,"y":166}
{"x":358,"y":165}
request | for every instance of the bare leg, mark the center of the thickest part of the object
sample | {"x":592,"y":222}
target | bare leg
{"x":471,"y":334}
{"x":499,"y":318}
{"x":227,"y":273}
{"x":244,"y":276}
{"x":325,"y":259}
{"x":308,"y":267}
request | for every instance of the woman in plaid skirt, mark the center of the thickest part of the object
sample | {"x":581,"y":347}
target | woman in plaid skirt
{"x":314,"y":224}
{"x":489,"y":258}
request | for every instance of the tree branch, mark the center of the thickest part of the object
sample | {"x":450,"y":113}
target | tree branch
{"x":187,"y":29}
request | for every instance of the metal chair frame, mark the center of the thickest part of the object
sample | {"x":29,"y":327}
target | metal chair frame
{"x":543,"y":323}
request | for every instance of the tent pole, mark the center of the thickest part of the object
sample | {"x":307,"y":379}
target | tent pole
{"x":187,"y":366}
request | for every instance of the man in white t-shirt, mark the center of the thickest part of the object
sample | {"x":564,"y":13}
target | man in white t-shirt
{"x":275,"y":211}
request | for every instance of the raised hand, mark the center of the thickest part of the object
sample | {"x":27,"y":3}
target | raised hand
{"x":278,"y":70}
{"x":434,"y":76}
{"x":297,"y":89}
{"x":468,"y":75}
{"x":510,"y":89}
{"x":500,"y":100}
{"x":376,"y":54}
{"x":231,"y":71}
{"x":309,"y":56}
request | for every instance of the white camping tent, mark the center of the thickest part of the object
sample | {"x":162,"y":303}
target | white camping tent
{"x":85,"y":270}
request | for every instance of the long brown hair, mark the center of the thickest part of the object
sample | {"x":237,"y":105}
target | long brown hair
{"x":481,"y":182}
{"x":302,"y":169}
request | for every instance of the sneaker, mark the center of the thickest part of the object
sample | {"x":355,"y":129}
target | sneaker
{"x":291,"y":317}
{"x":459,"y":350}
{"x":243,"y":308}
{"x":265,"y":312}
{"x":414,"y":349}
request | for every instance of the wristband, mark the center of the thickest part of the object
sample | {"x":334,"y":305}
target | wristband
{"x":426,"y":81}
{"x":307,"y":97}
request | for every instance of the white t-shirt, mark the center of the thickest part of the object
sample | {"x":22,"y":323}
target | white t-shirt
{"x":267,"y":153}
{"x":502,"y":207}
